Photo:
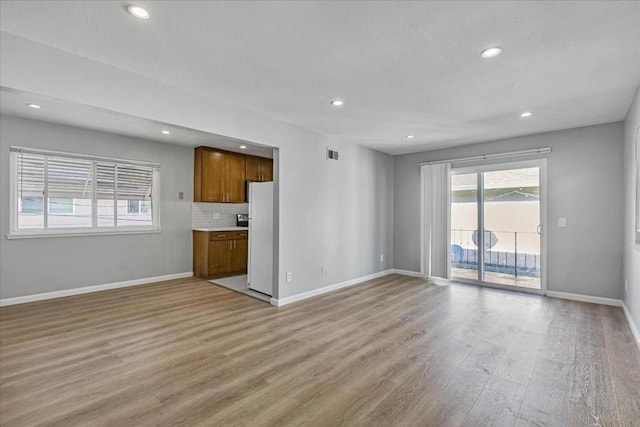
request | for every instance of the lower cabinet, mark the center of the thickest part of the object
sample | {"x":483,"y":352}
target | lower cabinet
{"x":239,"y":255}
{"x":218,"y":259}
{"x":220,"y":253}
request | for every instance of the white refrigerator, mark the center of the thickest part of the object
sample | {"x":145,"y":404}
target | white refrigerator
{"x":260,"y":271}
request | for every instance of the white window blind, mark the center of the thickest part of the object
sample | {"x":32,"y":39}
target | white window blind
{"x":65,"y":193}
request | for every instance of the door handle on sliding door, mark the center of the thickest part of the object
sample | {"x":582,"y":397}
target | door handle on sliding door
{"x":539,"y":229}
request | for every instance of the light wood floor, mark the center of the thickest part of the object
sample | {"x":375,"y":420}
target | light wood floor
{"x":395,"y":351}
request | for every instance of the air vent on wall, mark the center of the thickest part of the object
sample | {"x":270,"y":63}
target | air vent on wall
{"x":332,"y":154}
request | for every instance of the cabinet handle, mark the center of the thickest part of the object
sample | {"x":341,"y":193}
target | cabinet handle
{"x":235,"y":244}
{"x":230,"y":244}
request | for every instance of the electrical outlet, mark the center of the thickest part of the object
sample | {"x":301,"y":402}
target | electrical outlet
{"x":562,"y":222}
{"x":181,"y":195}
{"x":323,"y":271}
{"x":381,"y":257}
{"x":216,"y":215}
{"x":289,"y":276}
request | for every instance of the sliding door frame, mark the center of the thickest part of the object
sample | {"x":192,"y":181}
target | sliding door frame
{"x":479,"y":170}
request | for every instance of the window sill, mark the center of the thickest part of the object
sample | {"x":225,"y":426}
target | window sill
{"x":80,"y":233}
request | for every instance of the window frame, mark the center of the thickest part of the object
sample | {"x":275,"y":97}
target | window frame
{"x":15,"y":233}
{"x":636,"y":223}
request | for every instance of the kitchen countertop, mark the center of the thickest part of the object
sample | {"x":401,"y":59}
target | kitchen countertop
{"x":229,"y":228}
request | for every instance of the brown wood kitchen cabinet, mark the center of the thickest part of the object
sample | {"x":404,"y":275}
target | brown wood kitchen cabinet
{"x":220,"y":253}
{"x":259,"y":169}
{"x":219,"y":176}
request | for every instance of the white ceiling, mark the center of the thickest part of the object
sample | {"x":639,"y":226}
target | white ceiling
{"x":14,"y":103}
{"x":401,"y":67}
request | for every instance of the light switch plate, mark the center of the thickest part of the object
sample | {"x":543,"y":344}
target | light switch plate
{"x":562,"y":222}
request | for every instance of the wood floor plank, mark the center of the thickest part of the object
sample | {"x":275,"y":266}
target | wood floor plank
{"x":543,"y":405}
{"x":623,"y":359}
{"x":395,"y":351}
{"x":591,"y":394}
{"x":498,"y":404}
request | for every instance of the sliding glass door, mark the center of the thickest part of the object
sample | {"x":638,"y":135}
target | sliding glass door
{"x":464,"y":226}
{"x":496,"y":225}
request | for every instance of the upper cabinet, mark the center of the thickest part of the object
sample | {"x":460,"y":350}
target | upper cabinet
{"x":220,"y":176}
{"x":234,"y":178}
{"x":209,"y":170}
{"x":259,"y":169}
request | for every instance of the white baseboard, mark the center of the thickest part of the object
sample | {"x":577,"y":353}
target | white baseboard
{"x":634,"y":329}
{"x":89,"y":289}
{"x":585,"y":298}
{"x":407,"y":272}
{"x":299,"y":297}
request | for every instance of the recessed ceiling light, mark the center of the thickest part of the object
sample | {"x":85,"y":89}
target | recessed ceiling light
{"x":409,"y":136}
{"x":526,"y":114}
{"x":337,"y":103}
{"x":137,"y":11}
{"x":244,"y":147}
{"x":491,"y":52}
{"x":36,"y":106}
{"x":165,"y":132}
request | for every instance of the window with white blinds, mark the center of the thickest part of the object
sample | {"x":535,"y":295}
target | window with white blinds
{"x":57,"y":193}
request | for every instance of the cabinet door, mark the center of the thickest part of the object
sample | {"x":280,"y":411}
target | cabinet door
{"x":234,"y":177}
{"x":219,"y":253}
{"x":253,"y":168}
{"x":212,"y":173}
{"x":267,"y":170}
{"x":200,"y":253}
{"x":240,"y":255}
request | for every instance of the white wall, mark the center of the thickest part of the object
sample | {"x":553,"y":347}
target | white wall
{"x":339,"y":214}
{"x":631,"y":245}
{"x":585,"y":186}
{"x":39,"y":265}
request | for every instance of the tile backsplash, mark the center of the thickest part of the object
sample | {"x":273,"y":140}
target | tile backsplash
{"x":202,"y":214}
